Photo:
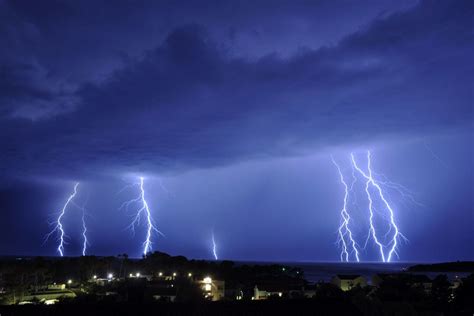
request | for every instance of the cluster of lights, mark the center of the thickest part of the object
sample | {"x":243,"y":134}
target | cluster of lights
{"x":174,"y":274}
{"x":110,"y":276}
{"x":207,"y":284}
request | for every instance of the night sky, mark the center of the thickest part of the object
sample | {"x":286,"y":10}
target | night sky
{"x":231,"y":112}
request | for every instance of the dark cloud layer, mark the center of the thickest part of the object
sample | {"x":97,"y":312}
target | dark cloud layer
{"x":231,"y":109}
{"x":163,"y":98}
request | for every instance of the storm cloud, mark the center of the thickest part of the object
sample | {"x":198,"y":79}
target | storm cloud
{"x":191,"y":101}
{"x":237,"y":105}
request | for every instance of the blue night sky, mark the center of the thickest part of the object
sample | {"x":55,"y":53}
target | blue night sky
{"x":231,"y":112}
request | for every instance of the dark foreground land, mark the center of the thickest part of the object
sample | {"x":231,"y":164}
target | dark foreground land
{"x":160,"y":284}
{"x":458,"y":266}
{"x":294,"y":307}
{"x":331,"y":306}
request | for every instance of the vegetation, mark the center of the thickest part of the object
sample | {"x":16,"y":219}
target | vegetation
{"x":458,"y":266}
{"x":403,"y":294}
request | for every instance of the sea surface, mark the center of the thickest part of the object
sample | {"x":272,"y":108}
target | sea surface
{"x":325,"y":271}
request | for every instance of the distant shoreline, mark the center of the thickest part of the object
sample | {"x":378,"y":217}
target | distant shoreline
{"x":458,"y":266}
{"x":452,"y":266}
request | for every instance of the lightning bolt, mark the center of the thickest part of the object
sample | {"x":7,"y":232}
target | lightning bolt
{"x":441,"y":161}
{"x":345,"y":218}
{"x":143,"y":210}
{"x":371,"y":182}
{"x":85,"y":241}
{"x":214,"y":247}
{"x":59,"y":225}
{"x":84,"y":235}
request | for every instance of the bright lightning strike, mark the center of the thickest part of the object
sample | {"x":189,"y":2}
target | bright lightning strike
{"x":392,"y":245}
{"x":143,"y":210}
{"x":345,"y":218}
{"x":59,"y":225}
{"x":85,"y":241}
{"x":84,"y":235}
{"x":214,"y":247}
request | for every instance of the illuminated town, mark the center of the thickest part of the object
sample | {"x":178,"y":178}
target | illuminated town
{"x":162,"y":280}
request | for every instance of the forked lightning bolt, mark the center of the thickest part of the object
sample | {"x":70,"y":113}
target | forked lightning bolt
{"x":214,"y":247}
{"x":59,"y":228}
{"x":345,"y":218}
{"x":371,"y":182}
{"x":142,"y":209}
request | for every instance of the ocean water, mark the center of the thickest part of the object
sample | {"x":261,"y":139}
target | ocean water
{"x":323,"y":272}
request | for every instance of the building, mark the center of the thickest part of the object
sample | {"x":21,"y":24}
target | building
{"x":414,"y":280}
{"x":165,"y":295}
{"x":265,"y":294}
{"x":348,"y":281}
{"x":213,"y":289}
{"x":49,"y":295}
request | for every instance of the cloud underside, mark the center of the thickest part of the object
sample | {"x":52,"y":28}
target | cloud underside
{"x":189,"y":102}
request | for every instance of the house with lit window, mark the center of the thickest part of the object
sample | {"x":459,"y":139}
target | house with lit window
{"x":348,"y":281}
{"x":214,"y":290}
